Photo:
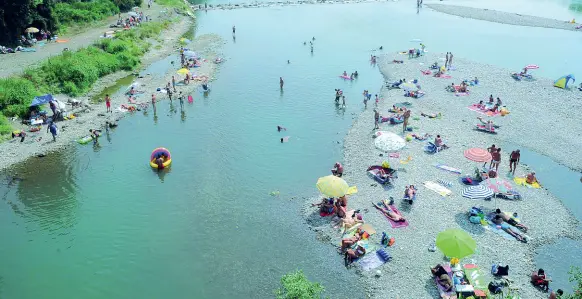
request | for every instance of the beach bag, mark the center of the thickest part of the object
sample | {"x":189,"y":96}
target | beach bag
{"x":495,"y":287}
{"x":475,"y":219}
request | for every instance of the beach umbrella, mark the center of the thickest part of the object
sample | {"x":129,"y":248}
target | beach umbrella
{"x":477,"y":192}
{"x":532,"y":67}
{"x":497,"y":184}
{"x":190,"y":54}
{"x":478,"y":155}
{"x":332,"y":186}
{"x":409,"y":86}
{"x":183,"y":71}
{"x":455,"y":243}
{"x":31,"y":30}
{"x":389,"y":142}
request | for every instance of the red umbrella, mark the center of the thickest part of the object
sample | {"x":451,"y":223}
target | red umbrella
{"x":532,"y":67}
{"x":478,"y":155}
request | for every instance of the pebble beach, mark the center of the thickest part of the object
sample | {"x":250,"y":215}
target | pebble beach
{"x":503,"y":17}
{"x":92,"y":115}
{"x":408,"y":275}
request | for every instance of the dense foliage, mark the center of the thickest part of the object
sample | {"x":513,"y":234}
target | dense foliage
{"x":17,"y":15}
{"x":576,"y":278}
{"x":295,"y":285}
{"x":74,"y":73}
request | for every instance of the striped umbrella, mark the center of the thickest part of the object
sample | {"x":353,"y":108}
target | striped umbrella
{"x":478,"y":155}
{"x":477,"y":192}
{"x":532,"y":67}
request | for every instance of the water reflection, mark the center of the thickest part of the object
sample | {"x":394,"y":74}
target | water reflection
{"x":47,"y":190}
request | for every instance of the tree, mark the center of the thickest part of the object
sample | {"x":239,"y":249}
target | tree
{"x":295,"y":285}
{"x":575,"y":277}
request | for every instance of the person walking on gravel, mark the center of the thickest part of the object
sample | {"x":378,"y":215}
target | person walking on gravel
{"x":514,"y":160}
{"x":376,"y":119}
{"x":405,"y":122}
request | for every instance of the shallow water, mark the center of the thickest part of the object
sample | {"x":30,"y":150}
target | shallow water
{"x":566,"y":185}
{"x":98,"y":222}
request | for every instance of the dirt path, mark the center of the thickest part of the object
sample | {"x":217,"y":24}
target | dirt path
{"x":15,"y":63}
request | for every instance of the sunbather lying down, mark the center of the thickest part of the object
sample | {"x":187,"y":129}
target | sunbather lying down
{"x":420,"y":137}
{"x":431,"y":115}
{"x":511,"y":220}
{"x":498,"y":220}
{"x":442,"y":276}
{"x":388,"y":212}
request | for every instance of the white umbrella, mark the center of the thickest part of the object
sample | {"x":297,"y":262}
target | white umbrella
{"x":477,"y":192}
{"x":389,"y":142}
{"x":190,"y":54}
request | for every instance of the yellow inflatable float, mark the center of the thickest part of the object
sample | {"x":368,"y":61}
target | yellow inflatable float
{"x":163,"y":153}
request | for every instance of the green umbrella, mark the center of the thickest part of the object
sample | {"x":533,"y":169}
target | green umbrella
{"x":455,"y":243}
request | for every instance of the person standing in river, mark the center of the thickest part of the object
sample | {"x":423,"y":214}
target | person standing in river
{"x":447,"y":60}
{"x":174,"y":83}
{"x":108,"y":103}
{"x":376,"y":119}
{"x":281,"y":82}
{"x":514,"y":160}
{"x":450,"y":60}
{"x":53,"y":129}
{"x":233,"y":30}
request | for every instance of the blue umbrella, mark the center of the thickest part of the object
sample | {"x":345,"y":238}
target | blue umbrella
{"x":477,"y":192}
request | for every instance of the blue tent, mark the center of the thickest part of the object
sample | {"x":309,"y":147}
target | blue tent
{"x":563,"y":81}
{"x":41,"y":100}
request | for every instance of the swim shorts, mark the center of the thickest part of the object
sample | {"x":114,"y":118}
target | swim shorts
{"x":504,"y":225}
{"x":512,"y":221}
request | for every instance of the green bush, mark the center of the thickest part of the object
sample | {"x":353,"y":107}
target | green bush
{"x":5,"y":127}
{"x":125,"y":5}
{"x":16,"y":94}
{"x":295,"y":285}
{"x":83,"y":12}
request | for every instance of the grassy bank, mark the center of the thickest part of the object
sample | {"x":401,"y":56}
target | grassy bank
{"x":74,"y":73}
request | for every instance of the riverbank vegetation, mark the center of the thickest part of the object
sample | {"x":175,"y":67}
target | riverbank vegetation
{"x":74,"y":73}
{"x":55,"y":15}
{"x":295,"y":285}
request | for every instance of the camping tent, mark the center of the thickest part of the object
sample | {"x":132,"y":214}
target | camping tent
{"x":41,"y":100}
{"x":563,"y":81}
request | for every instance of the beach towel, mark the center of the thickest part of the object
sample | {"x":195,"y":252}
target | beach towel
{"x":522,"y":182}
{"x":373,"y":260}
{"x":352,"y":190}
{"x":483,"y":111}
{"x":393,"y":223}
{"x":461,"y":94}
{"x":27,"y":50}
{"x":426,"y":72}
{"x":494,"y":228}
{"x":448,"y":168}
{"x":445,"y":76}
{"x":477,"y":279}
{"x":445,"y":183}
{"x":62,"y":40}
{"x":444,"y":294}
{"x":441,"y":190}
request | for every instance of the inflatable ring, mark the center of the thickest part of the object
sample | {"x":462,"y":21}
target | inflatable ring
{"x":160,"y":150}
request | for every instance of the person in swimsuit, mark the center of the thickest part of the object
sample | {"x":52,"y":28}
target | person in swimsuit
{"x":174,"y":83}
{"x":351,"y":254}
{"x":405,"y":122}
{"x":496,"y":159}
{"x":540,"y":279}
{"x":95,"y":135}
{"x":499,"y":103}
{"x":281,"y":82}
{"x":432,"y":115}
{"x":438,"y":142}
{"x":344,"y":101}
{"x":376,"y":119}
{"x":345,"y":74}
{"x":511,"y":220}
{"x":498,"y":220}
{"x":513,"y":161}
{"x":491,"y":99}
{"x":325,"y":206}
{"x":160,"y":161}
{"x":531,"y":178}
{"x":349,"y":242}
{"x":557,"y":294}
{"x":443,"y":277}
{"x":279,"y":129}
{"x":338,"y":169}
{"x":388,"y":212}
{"x":108,"y":103}
{"x":233,"y":29}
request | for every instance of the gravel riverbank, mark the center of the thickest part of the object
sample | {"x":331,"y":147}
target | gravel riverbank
{"x":503,"y":17}
{"x":94,"y":116}
{"x":535,"y":105}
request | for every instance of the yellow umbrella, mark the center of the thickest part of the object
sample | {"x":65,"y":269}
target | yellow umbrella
{"x":332,"y":186}
{"x":183,"y":71}
{"x":31,"y":30}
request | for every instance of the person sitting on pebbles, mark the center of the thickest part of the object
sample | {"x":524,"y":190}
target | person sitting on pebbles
{"x":531,"y":178}
{"x":438,"y":142}
{"x":349,"y":242}
{"x":338,"y":169}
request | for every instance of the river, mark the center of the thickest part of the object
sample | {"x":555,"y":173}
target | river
{"x":97,"y":222}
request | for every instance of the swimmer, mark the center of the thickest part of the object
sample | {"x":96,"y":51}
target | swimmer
{"x":356,"y":74}
{"x":352,"y":76}
{"x":381,"y":47}
{"x":279,"y":128}
{"x":313,"y":38}
{"x":344,"y":101}
{"x":95,"y":135}
{"x":281,"y":82}
{"x":288,"y":62}
{"x":345,"y":74}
